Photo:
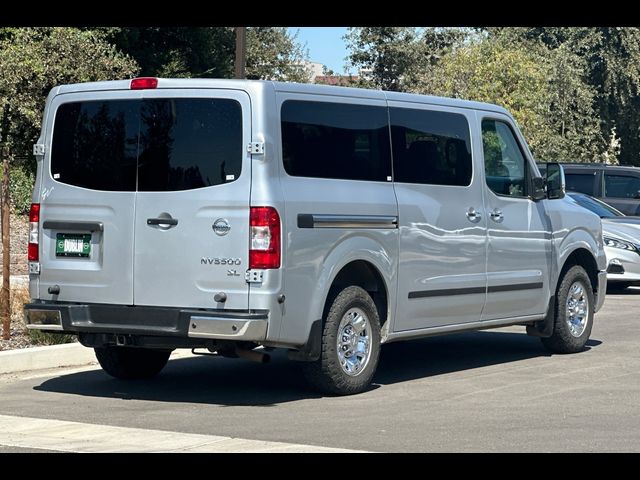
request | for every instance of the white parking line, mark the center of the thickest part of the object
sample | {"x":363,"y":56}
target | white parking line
{"x":89,"y":438}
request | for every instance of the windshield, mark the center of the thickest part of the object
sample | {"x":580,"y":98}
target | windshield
{"x":596,"y":206}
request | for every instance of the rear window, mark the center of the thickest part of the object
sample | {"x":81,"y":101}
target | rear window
{"x":147,"y":145}
{"x":580,"y":182}
{"x":621,"y":186}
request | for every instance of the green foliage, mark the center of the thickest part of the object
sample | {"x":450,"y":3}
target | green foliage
{"x":611,"y":64}
{"x":391,"y":58}
{"x":177,"y":51}
{"x":383,"y":55}
{"x":543,"y":90}
{"x":210,"y":51}
{"x":272,"y":54}
{"x":44,"y":338}
{"x":20,"y":189}
{"x":33,"y":60}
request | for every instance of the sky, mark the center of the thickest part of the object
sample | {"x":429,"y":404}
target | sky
{"x":325,"y":45}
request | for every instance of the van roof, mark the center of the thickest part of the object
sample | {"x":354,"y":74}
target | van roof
{"x":283,"y":87}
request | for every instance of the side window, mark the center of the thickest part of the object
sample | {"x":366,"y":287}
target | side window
{"x":621,"y":186}
{"x":335,"y":140}
{"x":504,"y":163}
{"x":580,"y":182}
{"x":430,"y":147}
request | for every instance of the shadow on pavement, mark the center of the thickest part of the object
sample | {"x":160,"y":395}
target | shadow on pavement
{"x":235,"y":382}
{"x":627,"y":291}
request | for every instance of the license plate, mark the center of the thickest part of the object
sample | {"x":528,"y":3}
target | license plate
{"x":73,"y":244}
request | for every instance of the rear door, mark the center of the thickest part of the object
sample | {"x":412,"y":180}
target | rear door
{"x":87,"y":198}
{"x":192,"y":208}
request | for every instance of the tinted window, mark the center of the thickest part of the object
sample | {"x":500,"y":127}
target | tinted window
{"x":504,"y":163}
{"x":189,"y":143}
{"x":621,"y":186}
{"x":430,"y":147}
{"x":168,"y":144}
{"x":95,"y":145}
{"x":580,"y":182}
{"x":335,"y":140}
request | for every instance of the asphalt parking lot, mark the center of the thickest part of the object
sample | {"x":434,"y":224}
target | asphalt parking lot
{"x":484,"y":391}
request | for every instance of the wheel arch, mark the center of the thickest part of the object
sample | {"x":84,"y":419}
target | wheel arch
{"x":584,"y":258}
{"x":363,"y":274}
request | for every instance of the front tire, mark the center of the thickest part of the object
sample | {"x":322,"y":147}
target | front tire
{"x":126,"y":363}
{"x":573,"y":313}
{"x":350,"y":345}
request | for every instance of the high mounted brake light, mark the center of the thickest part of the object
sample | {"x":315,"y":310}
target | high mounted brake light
{"x":144,"y":83}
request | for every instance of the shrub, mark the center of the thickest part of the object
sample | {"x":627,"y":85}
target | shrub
{"x":20,"y":189}
{"x":20,"y":296}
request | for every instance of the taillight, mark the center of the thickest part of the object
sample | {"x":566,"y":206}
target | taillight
{"x":143,"y":83}
{"x":34,"y":230}
{"x":264,"y":248}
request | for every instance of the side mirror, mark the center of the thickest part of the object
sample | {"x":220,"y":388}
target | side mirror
{"x":538,"y":192}
{"x":555,"y":183}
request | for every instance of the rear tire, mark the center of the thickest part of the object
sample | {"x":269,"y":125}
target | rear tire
{"x":350,"y":345}
{"x":573,"y":313}
{"x":127,"y":363}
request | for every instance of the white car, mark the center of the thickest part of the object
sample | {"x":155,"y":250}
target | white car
{"x":621,"y":241}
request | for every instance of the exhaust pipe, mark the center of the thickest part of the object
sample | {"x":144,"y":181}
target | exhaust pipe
{"x":252,"y":355}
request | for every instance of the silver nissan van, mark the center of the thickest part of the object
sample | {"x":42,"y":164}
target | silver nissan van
{"x":234,"y":216}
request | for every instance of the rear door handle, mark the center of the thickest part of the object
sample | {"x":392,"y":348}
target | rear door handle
{"x":162,"y":221}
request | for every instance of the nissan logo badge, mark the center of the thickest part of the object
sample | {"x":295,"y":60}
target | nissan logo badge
{"x":221,"y":227}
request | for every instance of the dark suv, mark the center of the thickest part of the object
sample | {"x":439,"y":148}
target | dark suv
{"x":616,"y":185}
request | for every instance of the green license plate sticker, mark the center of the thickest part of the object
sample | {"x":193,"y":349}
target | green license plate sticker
{"x":73,"y":244}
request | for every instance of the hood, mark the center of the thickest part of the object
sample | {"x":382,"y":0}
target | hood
{"x":631,"y":220}
{"x":625,"y":230}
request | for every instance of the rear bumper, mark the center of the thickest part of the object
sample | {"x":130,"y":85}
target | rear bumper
{"x":148,"y":321}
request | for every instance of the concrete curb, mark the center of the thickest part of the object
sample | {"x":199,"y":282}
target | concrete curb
{"x":56,"y":356}
{"x":39,"y":358}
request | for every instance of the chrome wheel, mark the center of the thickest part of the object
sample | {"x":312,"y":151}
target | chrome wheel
{"x":577,"y":309}
{"x":354,"y":342}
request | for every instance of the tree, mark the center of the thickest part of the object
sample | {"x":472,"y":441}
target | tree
{"x":32,"y":61}
{"x":391,"y":58}
{"x":383,"y":55}
{"x":177,"y":51}
{"x":611,"y":59}
{"x":273,"y":54}
{"x":209,"y":51}
{"x":543,"y":90}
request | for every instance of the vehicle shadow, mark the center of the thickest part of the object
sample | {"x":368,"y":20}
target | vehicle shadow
{"x":633,"y":290}
{"x":233,"y":382}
